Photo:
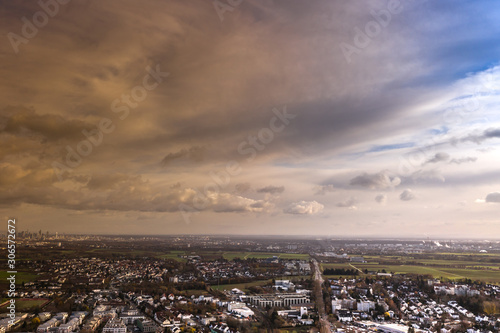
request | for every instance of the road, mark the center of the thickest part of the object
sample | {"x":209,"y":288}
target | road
{"x":325,"y":325}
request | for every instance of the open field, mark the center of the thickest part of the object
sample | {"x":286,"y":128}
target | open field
{"x":335,"y":265}
{"x":491,"y":276}
{"x":264,"y":255}
{"x":483,"y":267}
{"x":231,"y":255}
{"x":20,"y":277}
{"x":487,"y":260}
{"x":27,"y":303}
{"x":482,"y":275}
{"x":173,"y":255}
{"x":24,"y":304}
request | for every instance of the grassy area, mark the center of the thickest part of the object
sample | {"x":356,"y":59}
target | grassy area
{"x":458,"y":260}
{"x":25,"y":304}
{"x":20,"y":277}
{"x":241,"y":286}
{"x":474,"y":274}
{"x":29,"y":303}
{"x":173,"y":255}
{"x":264,"y":255}
{"x":492,"y":276}
{"x":474,"y":266}
{"x":344,"y":265}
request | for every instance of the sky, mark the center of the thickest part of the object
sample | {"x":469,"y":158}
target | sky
{"x":282,"y":117}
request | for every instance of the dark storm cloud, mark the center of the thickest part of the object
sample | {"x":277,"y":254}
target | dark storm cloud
{"x":21,"y":121}
{"x":224,"y":80}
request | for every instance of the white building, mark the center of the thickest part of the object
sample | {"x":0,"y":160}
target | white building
{"x":394,"y":328}
{"x":336,"y":305}
{"x":240,"y":309}
{"x":365,"y":306}
{"x":115,"y":325}
{"x":45,"y":327}
{"x":284,"y":284}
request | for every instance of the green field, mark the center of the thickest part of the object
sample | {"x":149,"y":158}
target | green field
{"x":174,"y":255}
{"x":482,"y":275}
{"x":25,"y":304}
{"x":335,"y":265}
{"x":492,"y":276}
{"x":468,"y":261}
{"x":20,"y":277}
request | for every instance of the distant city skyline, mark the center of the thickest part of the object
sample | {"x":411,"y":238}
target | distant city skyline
{"x":274,"y":117}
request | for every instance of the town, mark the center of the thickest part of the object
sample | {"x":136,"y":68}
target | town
{"x":118,"y":284}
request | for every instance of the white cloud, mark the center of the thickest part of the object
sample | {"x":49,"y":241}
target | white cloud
{"x":348,"y":203}
{"x":304,"y":208}
{"x":428,"y":175}
{"x":324,"y":189}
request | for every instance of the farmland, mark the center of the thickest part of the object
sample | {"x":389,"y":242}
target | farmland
{"x":480,"y":267}
{"x":20,"y":277}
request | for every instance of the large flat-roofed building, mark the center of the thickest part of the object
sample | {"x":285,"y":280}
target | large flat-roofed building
{"x":394,"y":328}
{"x":130,"y":319}
{"x":240,"y":309}
{"x":276,"y":300}
{"x":115,"y":325}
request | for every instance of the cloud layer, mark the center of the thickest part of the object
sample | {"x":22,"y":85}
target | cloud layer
{"x":117,"y":112}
